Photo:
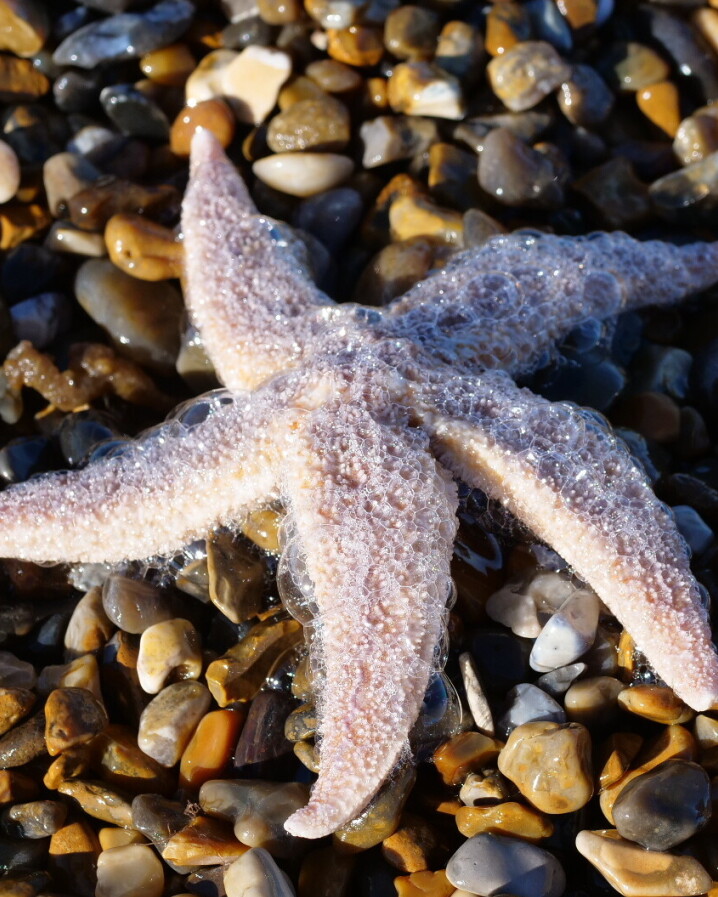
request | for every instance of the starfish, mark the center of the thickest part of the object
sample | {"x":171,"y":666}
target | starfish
{"x":359,"y":421}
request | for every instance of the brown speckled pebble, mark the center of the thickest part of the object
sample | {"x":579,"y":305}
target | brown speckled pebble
{"x":99,"y":801}
{"x":321,"y":125}
{"x":655,"y":702}
{"x":15,"y":703}
{"x":421,"y":88}
{"x":526,"y":74}
{"x":169,"y":720}
{"x":508,"y":818}
{"x":203,"y":842}
{"x":73,"y":717}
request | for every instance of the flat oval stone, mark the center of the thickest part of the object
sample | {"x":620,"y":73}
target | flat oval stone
{"x":134,"y":605}
{"x":665,"y":806}
{"x":526,"y":74}
{"x":635,"y":872}
{"x":131,"y":871}
{"x":550,"y":764}
{"x":169,"y":720}
{"x":303,"y":174}
{"x":491,"y":864}
{"x":210,"y":750}
{"x":125,"y":36}
{"x":568,"y":634}
{"x":143,"y":318}
{"x":257,"y":874}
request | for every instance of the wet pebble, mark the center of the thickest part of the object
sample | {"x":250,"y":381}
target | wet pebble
{"x":410,"y":32}
{"x":169,"y":720}
{"x":421,"y":88}
{"x":491,"y":864}
{"x":318,"y":125}
{"x":211,"y":747}
{"x":73,"y":717}
{"x":134,"y":605}
{"x":15,"y":704}
{"x":36,"y":819}
{"x":585,"y":98}
{"x":526,"y":74}
{"x":508,"y":818}
{"x":170,"y":648}
{"x":130,"y":871}
{"x":303,"y":174}
{"x":213,"y":114}
{"x":89,"y":626}
{"x":568,"y":634}
{"x":512,"y":607}
{"x":9,"y":171}
{"x":558,"y":681}
{"x":23,"y":743}
{"x":525,"y":703}
{"x":331,"y":216}
{"x":203,"y":842}
{"x":134,"y":113}
{"x":99,"y":800}
{"x":465,"y":753}
{"x":689,"y":195}
{"x":256,"y":872}
{"x":655,"y":702}
{"x":125,"y":36}
{"x":42,"y":318}
{"x":550,"y":764}
{"x":389,"y":138}
{"x":64,"y":175}
{"x":593,"y":702}
{"x":251,"y":82}
{"x":635,"y":872}
{"x":519,"y":175}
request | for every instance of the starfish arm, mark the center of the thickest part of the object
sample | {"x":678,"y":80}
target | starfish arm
{"x":245,"y":289}
{"x":560,"y":471}
{"x":506,"y":304}
{"x":373,"y":518}
{"x":163,"y":491}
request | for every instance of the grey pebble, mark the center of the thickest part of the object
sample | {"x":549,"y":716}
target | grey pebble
{"x":41,"y":318}
{"x":134,"y":113}
{"x":526,"y":704}
{"x":568,"y":634}
{"x":558,"y":681}
{"x":693,"y":528}
{"x":492,"y":864}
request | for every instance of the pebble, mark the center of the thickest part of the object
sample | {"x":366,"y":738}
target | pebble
{"x":130,"y":871}
{"x":319,"y":125}
{"x":526,"y":74}
{"x":119,"y":837}
{"x":410,"y":32}
{"x":92,"y":208}
{"x":16,"y":787}
{"x":632,"y":66}
{"x":9,"y":164}
{"x":413,"y":845}
{"x":121,"y":764}
{"x":513,"y":607}
{"x":205,"y":82}
{"x":21,"y":222}
{"x":169,"y":66}
{"x":81,"y":673}
{"x":635,"y":872}
{"x":655,"y":702}
{"x":517,"y":174}
{"x":356,"y":45}
{"x":257,"y":810}
{"x":492,"y":864}
{"x":203,"y":842}
{"x":251,"y":82}
{"x":20,"y":81}
{"x":426,"y":884}
{"x":125,"y":36}
{"x":682,"y":43}
{"x":89,"y":626}
{"x":550,"y":764}
{"x":262,"y":737}
{"x":415,"y":216}
{"x":42,"y":318}
{"x":36,"y":819}
{"x":335,"y":13}
{"x":331,"y":76}
{"x":585,"y":98}
{"x":213,"y":114}
{"x":526,"y":703}
{"x":72,"y":859}
{"x":99,"y":800}
{"x":421,"y":88}
{"x":550,"y":25}
{"x":389,"y":138}
{"x":134,"y":113}
{"x":157,"y":818}
{"x":507,"y":24}
{"x":693,"y":528}
{"x":660,"y":103}
{"x":508,"y":818}
{"x":303,"y":174}
{"x":15,"y":704}
{"x":255,"y":873}
{"x":24,"y":26}
{"x":593,"y":702}
{"x":235,"y":575}
{"x":475,"y":697}
{"x":211,"y":747}
{"x":465,"y":753}
{"x":169,"y":720}
{"x":558,"y":681}
{"x":170,"y":648}
{"x":73,"y":717}
{"x":568,"y":634}
{"x":690,"y":194}
{"x":141,"y":317}
{"x":134,"y":605}
{"x":665,"y":806}
{"x":696,"y":138}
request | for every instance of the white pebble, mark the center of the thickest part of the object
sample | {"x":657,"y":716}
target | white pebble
{"x":303,"y":174}
{"x":131,"y":871}
{"x":512,"y":607}
{"x":568,"y":634}
{"x":251,"y":82}
{"x":255,"y":874}
{"x":9,"y":172}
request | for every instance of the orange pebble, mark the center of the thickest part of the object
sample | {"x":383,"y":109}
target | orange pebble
{"x":212,"y":744}
{"x":215,"y":115}
{"x":660,"y":103}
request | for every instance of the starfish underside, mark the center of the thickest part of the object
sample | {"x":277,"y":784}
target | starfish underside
{"x":358,"y":420}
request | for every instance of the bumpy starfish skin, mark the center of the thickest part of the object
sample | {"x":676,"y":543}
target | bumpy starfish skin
{"x":357,"y":419}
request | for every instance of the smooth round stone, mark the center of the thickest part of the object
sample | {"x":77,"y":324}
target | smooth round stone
{"x":525,"y":704}
{"x":660,"y":103}
{"x":76,"y":90}
{"x":550,"y":764}
{"x":131,"y":871}
{"x":125,"y":36}
{"x":593,"y":702}
{"x":256,"y":874}
{"x":172,"y":647}
{"x":142,"y":248}
{"x":682,"y":43}
{"x":141,"y":317}
{"x":331,"y":216}
{"x":303,"y":174}
{"x":526,"y":74}
{"x":279,"y":12}
{"x":512,"y":607}
{"x":134,"y":605}
{"x":696,"y":138}
{"x":336,"y":14}
{"x":214,"y":115}
{"x":414,"y":216}
{"x":491,"y":864}
{"x":550,"y":25}
{"x":236,"y":577}
{"x":421,"y":88}
{"x":210,"y":750}
{"x":568,"y":634}
{"x":410,"y":32}
{"x":134,"y":113}
{"x":693,"y":528}
{"x":665,"y":806}
{"x":203,"y":842}
{"x":356,"y":45}
{"x":15,"y":704}
{"x":320,"y":125}
{"x":73,"y":717}
{"x":169,"y":720}
{"x":558,"y":681}
{"x":635,"y":872}
{"x":516,"y":174}
{"x":655,"y":702}
{"x":251,"y":82}
{"x":169,"y":66}
{"x":41,"y":319}
{"x":333,"y":76}
{"x":690,"y":194}
{"x":205,"y":82}
{"x":9,"y":169}
{"x":459,"y":50}
{"x":585,"y":98}
{"x":21,"y":82}
{"x":110,"y":837}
